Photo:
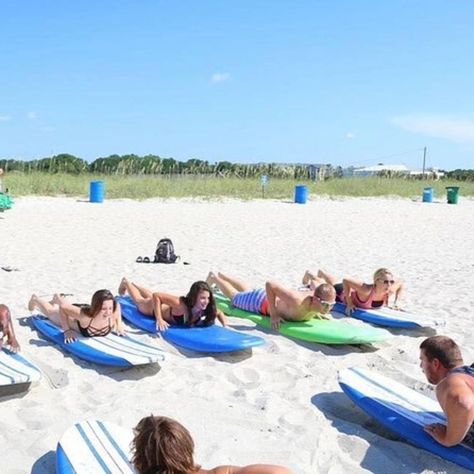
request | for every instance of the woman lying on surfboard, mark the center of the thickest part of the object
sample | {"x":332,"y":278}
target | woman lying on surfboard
{"x":164,"y":445}
{"x":99,"y":318}
{"x":197,"y":307}
{"x":357,"y":294}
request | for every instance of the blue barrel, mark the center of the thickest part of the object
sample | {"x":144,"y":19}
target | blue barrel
{"x":97,"y":191}
{"x":428,"y":195}
{"x":301,"y":193}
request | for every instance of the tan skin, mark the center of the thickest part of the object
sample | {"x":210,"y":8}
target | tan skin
{"x":252,"y":469}
{"x":385,"y":286}
{"x":455,"y":394}
{"x":6,"y":325}
{"x":284,"y":304}
{"x":64,"y":314}
{"x":164,"y":305}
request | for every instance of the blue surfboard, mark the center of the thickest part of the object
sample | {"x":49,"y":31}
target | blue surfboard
{"x":200,"y":339}
{"x":401,"y":410}
{"x":392,"y":318}
{"x":16,"y":369}
{"x":94,"y":447}
{"x":120,"y":351}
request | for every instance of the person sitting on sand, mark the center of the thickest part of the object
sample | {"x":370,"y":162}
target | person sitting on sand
{"x":197,"y":307}
{"x":443,"y":366}
{"x":357,"y":294}
{"x":6,"y":329}
{"x":276,"y":301}
{"x":99,"y":318}
{"x":162,"y":445}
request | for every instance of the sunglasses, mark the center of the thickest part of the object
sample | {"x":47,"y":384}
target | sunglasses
{"x":388,"y":282}
{"x":326,"y":304}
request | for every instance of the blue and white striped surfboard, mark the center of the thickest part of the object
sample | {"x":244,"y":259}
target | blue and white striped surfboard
{"x":402,"y":410}
{"x":94,"y":447}
{"x":120,"y":351}
{"x":16,"y":369}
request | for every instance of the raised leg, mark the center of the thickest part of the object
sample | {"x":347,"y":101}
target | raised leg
{"x":140,"y":295}
{"x":223,"y":284}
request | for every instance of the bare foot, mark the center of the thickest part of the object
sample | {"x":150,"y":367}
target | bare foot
{"x":307,"y":277}
{"x":32,"y":302}
{"x":122,"y":289}
{"x":211,"y":279}
{"x":56,"y":299}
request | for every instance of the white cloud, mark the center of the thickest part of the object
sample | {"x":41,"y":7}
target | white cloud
{"x":350,"y":135}
{"x":31,"y":115}
{"x":220,"y":77}
{"x":449,"y":128}
{"x":4,"y":118}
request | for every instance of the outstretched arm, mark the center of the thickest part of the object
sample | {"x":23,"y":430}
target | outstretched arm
{"x":399,"y":293}
{"x":251,"y":469}
{"x":349,"y":284}
{"x":221,"y":317}
{"x":117,"y":324}
{"x":159,"y":299}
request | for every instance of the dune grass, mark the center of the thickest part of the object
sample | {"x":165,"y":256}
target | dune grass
{"x":143,"y":187}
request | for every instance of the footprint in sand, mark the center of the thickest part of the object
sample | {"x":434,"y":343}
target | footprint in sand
{"x":244,"y":378}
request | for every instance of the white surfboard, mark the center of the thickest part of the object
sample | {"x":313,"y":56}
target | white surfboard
{"x":94,"y":447}
{"x":402,"y":410}
{"x":16,"y":369}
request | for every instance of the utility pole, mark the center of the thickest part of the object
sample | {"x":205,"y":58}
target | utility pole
{"x":424,"y":161}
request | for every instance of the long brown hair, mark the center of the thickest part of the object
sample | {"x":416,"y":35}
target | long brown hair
{"x":190,"y":299}
{"x":97,"y":301}
{"x":162,"y":446}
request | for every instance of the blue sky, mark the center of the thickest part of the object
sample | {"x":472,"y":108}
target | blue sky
{"x":341,"y":82}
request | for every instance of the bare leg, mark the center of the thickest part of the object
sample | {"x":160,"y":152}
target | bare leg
{"x":46,"y":307}
{"x":327,"y":277}
{"x":239,"y":285}
{"x":224,"y":285}
{"x":141,"y":296}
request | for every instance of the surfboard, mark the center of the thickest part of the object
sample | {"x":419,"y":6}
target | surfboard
{"x":401,"y":410}
{"x":200,"y":339}
{"x":314,"y":330}
{"x":392,"y":318}
{"x":113,"y":350}
{"x":17,"y":369}
{"x":94,"y":446}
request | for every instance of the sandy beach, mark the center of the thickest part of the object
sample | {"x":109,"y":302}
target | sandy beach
{"x":278,"y":403}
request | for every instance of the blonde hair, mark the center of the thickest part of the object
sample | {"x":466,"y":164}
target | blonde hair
{"x":381,"y":271}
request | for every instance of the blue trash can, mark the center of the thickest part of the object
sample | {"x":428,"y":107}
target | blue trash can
{"x":301,"y":193}
{"x":97,"y":191}
{"x":428,"y":194}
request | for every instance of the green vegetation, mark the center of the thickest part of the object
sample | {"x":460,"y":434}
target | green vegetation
{"x":143,"y":187}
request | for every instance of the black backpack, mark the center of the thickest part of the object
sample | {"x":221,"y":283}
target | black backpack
{"x":165,"y":252}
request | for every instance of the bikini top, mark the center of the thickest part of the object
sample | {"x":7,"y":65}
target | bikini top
{"x":91,"y":331}
{"x":369,"y":302}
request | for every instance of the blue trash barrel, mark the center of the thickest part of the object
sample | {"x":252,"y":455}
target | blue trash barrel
{"x":428,"y":195}
{"x":97,"y":191}
{"x":301,"y":193}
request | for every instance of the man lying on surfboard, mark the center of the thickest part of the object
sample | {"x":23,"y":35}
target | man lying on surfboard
{"x":6,"y":329}
{"x":276,"y":301}
{"x":443,"y":365}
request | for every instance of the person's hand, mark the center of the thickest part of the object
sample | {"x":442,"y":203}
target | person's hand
{"x":69,"y":336}
{"x":275,"y":322}
{"x":162,"y":325}
{"x":436,"y":430}
{"x":349,"y":308}
{"x":14,"y":346}
{"x":120,"y":330}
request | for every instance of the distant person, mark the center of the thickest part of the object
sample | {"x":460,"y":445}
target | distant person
{"x":1,"y":182}
{"x":6,"y":329}
{"x":443,"y":366}
{"x":163,"y":446}
{"x":196,"y":308}
{"x":357,"y":294}
{"x":98,"y":319}
{"x":276,"y":301}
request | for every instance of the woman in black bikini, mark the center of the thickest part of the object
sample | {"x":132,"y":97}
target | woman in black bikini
{"x":197,"y":307}
{"x":99,"y":318}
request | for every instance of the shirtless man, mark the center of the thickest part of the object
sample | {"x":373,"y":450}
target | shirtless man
{"x":6,"y":329}
{"x":276,"y":301}
{"x":442,"y":363}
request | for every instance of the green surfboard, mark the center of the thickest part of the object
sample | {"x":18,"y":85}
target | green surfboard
{"x":316,"y":330}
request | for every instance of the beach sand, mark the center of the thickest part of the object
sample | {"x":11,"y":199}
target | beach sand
{"x":279,"y":403}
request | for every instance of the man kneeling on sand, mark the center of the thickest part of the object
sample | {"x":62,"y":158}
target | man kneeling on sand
{"x":276,"y":301}
{"x":443,"y":365}
{"x":6,"y":329}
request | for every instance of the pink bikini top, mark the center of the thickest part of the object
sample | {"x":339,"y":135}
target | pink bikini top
{"x":369,"y":303}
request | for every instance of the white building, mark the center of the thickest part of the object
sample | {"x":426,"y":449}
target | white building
{"x":373,"y":170}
